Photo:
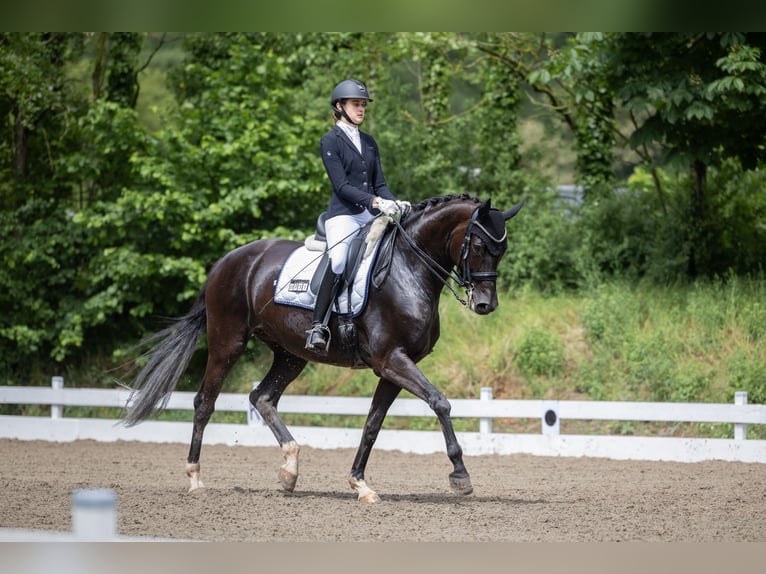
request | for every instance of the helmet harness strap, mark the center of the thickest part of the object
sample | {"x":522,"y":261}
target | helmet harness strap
{"x":345,"y":115}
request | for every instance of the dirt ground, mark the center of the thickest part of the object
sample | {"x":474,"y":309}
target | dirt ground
{"x":516,"y":498}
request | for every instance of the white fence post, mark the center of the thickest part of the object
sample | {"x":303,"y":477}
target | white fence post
{"x":57,"y":411}
{"x":485,"y":423}
{"x":94,"y":514}
{"x":551,"y":423}
{"x":740,"y":429}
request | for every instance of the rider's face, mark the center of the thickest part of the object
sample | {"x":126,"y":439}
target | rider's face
{"x":355,"y":108}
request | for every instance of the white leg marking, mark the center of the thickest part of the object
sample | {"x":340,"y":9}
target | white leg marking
{"x":288,"y":472}
{"x":192,"y":471}
{"x":366,"y":494}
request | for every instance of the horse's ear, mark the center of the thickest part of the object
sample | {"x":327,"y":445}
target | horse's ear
{"x":513,"y":211}
{"x":484,"y":208}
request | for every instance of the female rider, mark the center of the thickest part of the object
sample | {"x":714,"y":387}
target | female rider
{"x":359,"y":193}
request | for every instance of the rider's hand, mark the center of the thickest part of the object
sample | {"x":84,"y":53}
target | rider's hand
{"x":388,"y":207}
{"x":404,"y":206}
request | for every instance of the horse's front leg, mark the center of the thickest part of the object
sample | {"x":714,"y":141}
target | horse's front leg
{"x":398,"y":368}
{"x":382,"y":400}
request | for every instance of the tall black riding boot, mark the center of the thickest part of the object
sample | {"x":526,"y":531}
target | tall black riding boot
{"x":319,"y":335}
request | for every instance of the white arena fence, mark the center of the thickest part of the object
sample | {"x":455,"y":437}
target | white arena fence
{"x":549,"y":442}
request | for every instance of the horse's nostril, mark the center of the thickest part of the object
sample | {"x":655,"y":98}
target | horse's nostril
{"x":483,"y":308}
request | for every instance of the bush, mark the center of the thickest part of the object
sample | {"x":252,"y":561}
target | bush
{"x":539,"y":247}
{"x":610,"y":315}
{"x":540,"y":352}
{"x":747,"y":372}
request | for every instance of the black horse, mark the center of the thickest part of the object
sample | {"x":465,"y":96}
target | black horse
{"x":399,"y":326}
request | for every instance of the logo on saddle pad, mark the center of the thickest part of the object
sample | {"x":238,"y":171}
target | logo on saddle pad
{"x":298,"y":285}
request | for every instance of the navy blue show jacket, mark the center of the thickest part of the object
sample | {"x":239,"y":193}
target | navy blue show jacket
{"x":356,"y":178}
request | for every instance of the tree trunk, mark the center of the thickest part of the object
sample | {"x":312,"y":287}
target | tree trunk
{"x":700,"y":174}
{"x":20,"y":153}
{"x":699,"y":248}
{"x":97,"y":79}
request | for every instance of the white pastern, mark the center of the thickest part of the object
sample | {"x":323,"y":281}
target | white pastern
{"x":288,"y":472}
{"x":192,"y":471}
{"x":366,"y":494}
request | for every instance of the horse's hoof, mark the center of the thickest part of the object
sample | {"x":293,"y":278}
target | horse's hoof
{"x":197,"y":490}
{"x":287,"y":480}
{"x":366,"y":494}
{"x":192,"y":471}
{"x":372,"y":498}
{"x":461,"y":485}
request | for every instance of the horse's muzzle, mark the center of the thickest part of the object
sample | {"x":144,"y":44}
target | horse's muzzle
{"x":482,"y":300}
{"x":483,"y":308}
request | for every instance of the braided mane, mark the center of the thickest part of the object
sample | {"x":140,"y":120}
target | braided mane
{"x":420,"y":206}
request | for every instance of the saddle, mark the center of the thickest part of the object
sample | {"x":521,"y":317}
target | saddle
{"x":368,"y":262}
{"x":361,"y":247}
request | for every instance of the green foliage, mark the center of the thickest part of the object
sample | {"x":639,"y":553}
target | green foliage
{"x":630,"y":233}
{"x":574,"y":78}
{"x":498,"y":122}
{"x":674,"y":344}
{"x":748,"y":372}
{"x":122,"y":82}
{"x":540,"y":352}
{"x":40,"y":258}
{"x":538,"y":246}
{"x":609,"y":315}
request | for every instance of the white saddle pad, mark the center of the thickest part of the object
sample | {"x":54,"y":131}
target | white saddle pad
{"x":293,"y":285}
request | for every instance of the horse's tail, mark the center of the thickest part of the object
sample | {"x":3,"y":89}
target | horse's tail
{"x":167,"y":361}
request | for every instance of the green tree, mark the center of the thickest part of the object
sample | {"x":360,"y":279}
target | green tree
{"x":238,"y":162}
{"x":698,"y":97}
{"x":64,"y":152}
{"x":564,"y":74}
{"x":499,"y":158}
{"x":37,"y":109}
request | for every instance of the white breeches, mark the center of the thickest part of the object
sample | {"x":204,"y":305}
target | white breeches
{"x":340,"y":230}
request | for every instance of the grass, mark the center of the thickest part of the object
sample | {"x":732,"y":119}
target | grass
{"x":621,"y":342}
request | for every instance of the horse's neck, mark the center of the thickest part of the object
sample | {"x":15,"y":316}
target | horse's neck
{"x":440,"y":232}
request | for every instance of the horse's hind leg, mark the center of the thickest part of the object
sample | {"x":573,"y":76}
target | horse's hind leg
{"x":382,"y":400}
{"x":221,"y":358}
{"x":285,"y":367}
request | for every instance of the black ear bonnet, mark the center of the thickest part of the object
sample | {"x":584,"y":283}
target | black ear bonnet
{"x":489,"y":226}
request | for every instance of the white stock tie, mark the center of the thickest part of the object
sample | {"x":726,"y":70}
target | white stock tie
{"x":356,"y":139}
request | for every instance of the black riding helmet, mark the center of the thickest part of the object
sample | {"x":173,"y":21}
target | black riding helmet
{"x":347,"y":90}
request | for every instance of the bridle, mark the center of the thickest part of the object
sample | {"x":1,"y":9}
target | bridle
{"x":499,"y":243}
{"x":467,"y":278}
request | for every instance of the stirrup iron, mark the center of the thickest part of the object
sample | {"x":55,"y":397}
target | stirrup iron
{"x":318,"y":338}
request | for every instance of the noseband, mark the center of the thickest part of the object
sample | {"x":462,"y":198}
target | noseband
{"x":467,"y":278}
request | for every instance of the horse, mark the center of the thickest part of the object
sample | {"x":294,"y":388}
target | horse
{"x":448,"y":238}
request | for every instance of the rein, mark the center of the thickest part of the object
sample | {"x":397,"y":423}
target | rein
{"x":441,"y":274}
{"x":466,"y":280}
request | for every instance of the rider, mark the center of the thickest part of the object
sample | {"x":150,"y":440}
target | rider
{"x":359,"y":193}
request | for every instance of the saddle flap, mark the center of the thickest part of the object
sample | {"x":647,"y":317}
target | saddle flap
{"x":316,"y":279}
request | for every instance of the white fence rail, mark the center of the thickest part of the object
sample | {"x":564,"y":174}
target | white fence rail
{"x":550,"y":441}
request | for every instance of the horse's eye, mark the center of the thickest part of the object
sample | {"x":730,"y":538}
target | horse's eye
{"x":477,"y":248}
